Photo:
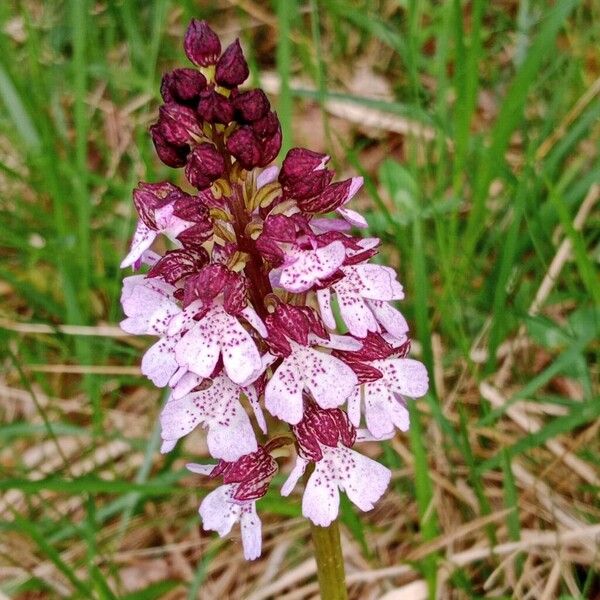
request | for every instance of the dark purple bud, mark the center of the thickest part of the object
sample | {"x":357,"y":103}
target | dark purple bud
{"x":178,"y":123}
{"x":251,"y":106}
{"x":270,"y":148}
{"x":201,"y":44}
{"x":374,"y":347}
{"x":267,"y":126}
{"x":205,"y":165}
{"x":303,"y":174}
{"x":176,"y":264}
{"x":300,"y":161}
{"x":245,"y":147}
{"x":214,"y":107}
{"x":232,"y":69}
{"x":182,"y":85}
{"x":347,"y":431}
{"x":172,"y":155}
{"x":149,"y":197}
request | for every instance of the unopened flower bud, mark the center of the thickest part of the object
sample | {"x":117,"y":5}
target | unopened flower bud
{"x":201,"y":44}
{"x":182,"y":85}
{"x":303,"y":174}
{"x":205,"y":165}
{"x":171,"y":154}
{"x":270,"y":148}
{"x":214,"y":107}
{"x":267,"y":125}
{"x":251,"y":106}
{"x":232,"y":68}
{"x":178,"y":123}
{"x":244,"y":146}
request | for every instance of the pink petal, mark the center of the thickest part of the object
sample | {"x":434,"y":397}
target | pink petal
{"x":177,"y":419}
{"x":251,"y":532}
{"x":309,"y":266}
{"x":363,"y":479}
{"x":252,"y":317}
{"x":185,"y":318}
{"x":168,"y":223}
{"x":148,"y":304}
{"x":321,"y":499}
{"x":324,"y":298}
{"x":200,"y":469}
{"x":185,"y":384}
{"x":266,"y":176}
{"x":142,"y":240}
{"x":219,"y":511}
{"x":323,"y":225}
{"x":405,"y":376}
{"x":252,"y":396}
{"x":283,"y":394}
{"x":294,"y":476}
{"x":329,"y":379}
{"x":199,"y":349}
{"x":240,"y":354}
{"x":376,"y":282}
{"x":389,"y":317}
{"x":354,"y":406}
{"x":378,"y":405}
{"x":158,"y":363}
{"x":356,"y":315}
{"x":353,"y":217}
{"x":364,"y":435}
{"x":230,"y":436}
{"x":336,"y":342}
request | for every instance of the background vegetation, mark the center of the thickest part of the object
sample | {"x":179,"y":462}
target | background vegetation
{"x":475,"y":125}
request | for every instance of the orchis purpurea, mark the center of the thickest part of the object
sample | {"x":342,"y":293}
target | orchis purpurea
{"x":244,"y":301}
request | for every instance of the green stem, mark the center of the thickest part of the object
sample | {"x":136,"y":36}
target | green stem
{"x":330,"y":562}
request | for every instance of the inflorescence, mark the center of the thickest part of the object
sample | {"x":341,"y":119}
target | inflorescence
{"x":250,"y":304}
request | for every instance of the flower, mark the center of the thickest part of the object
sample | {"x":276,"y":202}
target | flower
{"x":362,"y":295}
{"x":164,"y":208}
{"x":303,"y":366}
{"x":326,"y":437}
{"x":201,"y":44}
{"x":244,"y":481}
{"x":386,"y":377}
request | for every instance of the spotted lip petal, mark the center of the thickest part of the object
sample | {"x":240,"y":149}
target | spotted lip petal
{"x":219,"y":334}
{"x":148,"y":304}
{"x":384,"y":398}
{"x":304,"y":268}
{"x":329,"y":380}
{"x":218,"y":408}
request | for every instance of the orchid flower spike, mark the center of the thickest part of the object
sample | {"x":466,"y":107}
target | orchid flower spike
{"x":260,"y":259}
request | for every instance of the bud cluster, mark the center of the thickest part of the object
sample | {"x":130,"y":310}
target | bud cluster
{"x":265,"y":300}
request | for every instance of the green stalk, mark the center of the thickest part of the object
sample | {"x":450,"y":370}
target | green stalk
{"x":330,"y":562}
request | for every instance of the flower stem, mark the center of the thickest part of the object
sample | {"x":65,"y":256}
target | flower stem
{"x":330,"y":562}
